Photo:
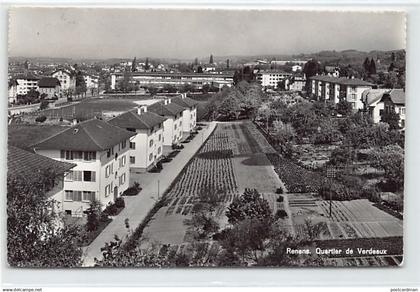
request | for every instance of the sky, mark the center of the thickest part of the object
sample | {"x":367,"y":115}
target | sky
{"x":186,"y":34}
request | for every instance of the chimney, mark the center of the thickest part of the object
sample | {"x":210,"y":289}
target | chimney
{"x":74,"y":122}
{"x":142,"y":109}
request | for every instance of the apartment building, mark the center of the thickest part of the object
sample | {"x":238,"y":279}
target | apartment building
{"x":50,"y":86}
{"x":101,"y":154}
{"x":66,"y":78}
{"x":189,"y":115}
{"x":146,"y":146}
{"x":172,"y":126}
{"x":271,"y":78}
{"x":333,"y":89}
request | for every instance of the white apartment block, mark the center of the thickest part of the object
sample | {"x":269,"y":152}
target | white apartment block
{"x":66,"y":78}
{"x":334,"y":89}
{"x":100,"y":152}
{"x":146,"y":147}
{"x":189,"y":115}
{"x":271,"y":78}
{"x":91,"y":81}
{"x":172,"y":126}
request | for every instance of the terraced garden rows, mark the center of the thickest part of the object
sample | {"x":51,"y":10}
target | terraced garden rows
{"x":210,"y":170}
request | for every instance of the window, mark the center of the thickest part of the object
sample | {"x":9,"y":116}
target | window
{"x":159,"y":150}
{"x":151,"y":143}
{"x":160,"y":137}
{"x":122,"y":161}
{"x":132,"y":159}
{"x":89,"y":176}
{"x":175,"y":127}
{"x":73,"y":195}
{"x":150,"y":157}
{"x":88,"y":196}
{"x":402,"y":111}
{"x":122,"y":179}
{"x":107,"y":190}
{"x":68,"y":195}
{"x":108,"y":170}
{"x":74,"y":175}
{"x":123,"y":144}
{"x":90,"y":155}
{"x":132,"y":145}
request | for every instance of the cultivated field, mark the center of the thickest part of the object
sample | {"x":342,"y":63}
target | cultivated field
{"x":231,"y":160}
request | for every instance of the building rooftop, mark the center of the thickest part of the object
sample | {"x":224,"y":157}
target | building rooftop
{"x":341,"y":80}
{"x":170,"y":109}
{"x":185,"y":102}
{"x":274,"y":71}
{"x":168,"y":74}
{"x":397,"y":96}
{"x":24,"y":164}
{"x":48,"y":82}
{"x":132,"y":119}
{"x":91,"y":135}
{"x":370,"y":96}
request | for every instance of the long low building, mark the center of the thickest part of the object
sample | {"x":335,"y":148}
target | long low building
{"x":161,"y":79}
{"x":335,"y":89}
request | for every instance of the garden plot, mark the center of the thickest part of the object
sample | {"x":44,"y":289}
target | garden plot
{"x":349,"y":220}
{"x":311,"y":155}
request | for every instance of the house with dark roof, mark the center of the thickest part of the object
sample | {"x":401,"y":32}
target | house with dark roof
{"x":189,"y":115}
{"x":67,"y":79}
{"x":22,"y":164}
{"x":50,"y":86}
{"x":172,"y":126}
{"x":334,"y":89}
{"x":379,"y":102}
{"x":146,"y":146}
{"x":101,"y":152}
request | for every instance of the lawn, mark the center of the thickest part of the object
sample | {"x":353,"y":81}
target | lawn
{"x":23,"y":136}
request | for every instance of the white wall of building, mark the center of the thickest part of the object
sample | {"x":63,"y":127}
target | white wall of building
{"x":148,"y":148}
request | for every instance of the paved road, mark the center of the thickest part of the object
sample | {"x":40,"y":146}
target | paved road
{"x":137,"y":207}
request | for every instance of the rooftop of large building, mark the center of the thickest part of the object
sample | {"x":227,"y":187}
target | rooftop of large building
{"x":341,"y":80}
{"x":169,"y":74}
{"x":48,"y":82}
{"x":170,"y":109}
{"x":131,"y":119}
{"x":24,"y":164}
{"x":90,"y":135}
{"x":185,"y":102}
{"x":370,"y":96}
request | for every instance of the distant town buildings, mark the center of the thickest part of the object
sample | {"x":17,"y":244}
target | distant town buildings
{"x":271,"y":78}
{"x":100,"y":152}
{"x":160,"y":79}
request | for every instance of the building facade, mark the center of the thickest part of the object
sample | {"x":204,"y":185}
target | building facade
{"x":146,"y":147}
{"x":100,"y":152}
{"x":334,"y":89}
{"x":172,"y":126}
{"x":66,"y":78}
{"x":161,"y":79}
{"x":50,"y":86}
{"x":189,"y":115}
{"x":271,"y":78}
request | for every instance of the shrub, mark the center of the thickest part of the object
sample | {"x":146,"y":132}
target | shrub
{"x":44,"y":104}
{"x":119,"y":202}
{"x":40,"y":119}
{"x":132,"y":191}
{"x":281,"y":214}
{"x":111,"y":210}
{"x":279,"y":191}
{"x":280,"y":199}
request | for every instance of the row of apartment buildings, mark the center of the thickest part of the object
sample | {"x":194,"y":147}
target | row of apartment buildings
{"x":160,"y":79}
{"x":272,"y":78}
{"x":360,"y":94}
{"x":59,"y":82}
{"x":100,"y":154}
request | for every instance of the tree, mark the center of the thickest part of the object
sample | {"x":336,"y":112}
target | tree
{"x":372,"y":67}
{"x":125,"y":84}
{"x":199,"y":69}
{"x":391,"y":159}
{"x":146,"y":64}
{"x":366,"y":65}
{"x":344,"y":108}
{"x":44,"y":105}
{"x":211,"y":60}
{"x":80,"y":83}
{"x":250,"y":205}
{"x":196,"y":62}
{"x":283,"y":132}
{"x":93,"y":215}
{"x":134,"y":65}
{"x":35,"y":237}
{"x":311,"y":68}
{"x":341,"y":156}
{"x":392,"y":119}
{"x":227,"y":64}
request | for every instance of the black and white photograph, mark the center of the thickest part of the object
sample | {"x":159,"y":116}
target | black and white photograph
{"x":189,"y":138}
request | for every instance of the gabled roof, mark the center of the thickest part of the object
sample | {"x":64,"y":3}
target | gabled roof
{"x":91,"y":135}
{"x":397,"y":96}
{"x":185,"y":102}
{"x":371,"y":96}
{"x":132,"y":119}
{"x":48,"y":82}
{"x":21,"y":163}
{"x":341,"y":80}
{"x":28,"y":76}
{"x":170,"y":109}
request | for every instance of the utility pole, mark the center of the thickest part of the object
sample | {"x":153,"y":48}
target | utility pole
{"x":331,"y":174}
{"x":158,"y":188}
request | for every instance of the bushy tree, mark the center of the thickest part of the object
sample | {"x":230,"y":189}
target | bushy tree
{"x":35,"y":235}
{"x":391,"y":160}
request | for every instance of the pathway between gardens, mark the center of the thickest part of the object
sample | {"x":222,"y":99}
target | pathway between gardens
{"x":137,"y":207}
